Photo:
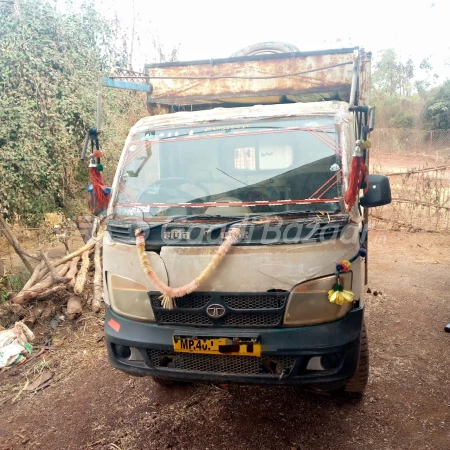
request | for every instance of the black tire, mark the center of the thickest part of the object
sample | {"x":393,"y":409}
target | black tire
{"x":264,"y":48}
{"x":358,"y":382}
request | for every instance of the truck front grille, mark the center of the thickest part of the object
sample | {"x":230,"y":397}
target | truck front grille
{"x":221,"y":363}
{"x":246,"y":310}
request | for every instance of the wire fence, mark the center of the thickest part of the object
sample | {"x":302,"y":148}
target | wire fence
{"x":403,"y":140}
{"x":420,"y":185}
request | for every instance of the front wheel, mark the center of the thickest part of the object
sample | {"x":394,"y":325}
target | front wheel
{"x":358,"y":382}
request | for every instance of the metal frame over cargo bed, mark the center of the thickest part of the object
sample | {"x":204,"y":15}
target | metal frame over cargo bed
{"x":339,"y":74}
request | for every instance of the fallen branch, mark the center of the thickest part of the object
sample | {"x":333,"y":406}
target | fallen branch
{"x":34,"y":277}
{"x":96,"y":305}
{"x":26,"y":295}
{"x":13,"y":238}
{"x":53,"y":273}
{"x":14,"y":243}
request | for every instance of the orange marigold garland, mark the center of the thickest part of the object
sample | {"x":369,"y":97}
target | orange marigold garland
{"x":169,"y":293}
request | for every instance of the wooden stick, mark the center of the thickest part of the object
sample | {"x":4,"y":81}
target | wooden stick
{"x":96,"y":305}
{"x":95,"y":227}
{"x":14,"y":243}
{"x":82,"y":274}
{"x":8,"y":230}
{"x":73,"y":269}
{"x":53,"y":273}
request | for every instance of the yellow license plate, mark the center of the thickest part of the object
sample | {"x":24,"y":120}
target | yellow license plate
{"x":216,"y":346}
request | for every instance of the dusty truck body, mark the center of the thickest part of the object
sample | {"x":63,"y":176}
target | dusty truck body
{"x":261,"y":143}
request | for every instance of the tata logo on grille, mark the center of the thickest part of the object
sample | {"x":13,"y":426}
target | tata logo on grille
{"x":215,"y":311}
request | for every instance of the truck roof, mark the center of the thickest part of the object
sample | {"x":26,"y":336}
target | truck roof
{"x":257,"y":112}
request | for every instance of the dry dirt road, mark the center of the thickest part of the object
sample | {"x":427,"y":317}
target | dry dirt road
{"x":407,"y":404}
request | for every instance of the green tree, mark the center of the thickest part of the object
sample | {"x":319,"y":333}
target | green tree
{"x":50,"y":62}
{"x":437,"y":109}
{"x":392,"y":76}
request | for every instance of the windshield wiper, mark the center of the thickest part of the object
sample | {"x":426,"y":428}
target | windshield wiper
{"x":291,"y":212}
{"x":296,"y":212}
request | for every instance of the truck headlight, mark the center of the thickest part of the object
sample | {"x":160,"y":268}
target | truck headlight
{"x":129,"y":298}
{"x":308,"y":303}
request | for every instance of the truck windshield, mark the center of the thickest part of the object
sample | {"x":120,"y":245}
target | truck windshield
{"x":232,"y":169}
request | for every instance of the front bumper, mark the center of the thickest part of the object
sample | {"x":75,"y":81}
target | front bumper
{"x":285,"y":358}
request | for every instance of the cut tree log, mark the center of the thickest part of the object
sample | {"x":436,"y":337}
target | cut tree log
{"x":41,"y":287}
{"x":82,"y":274}
{"x":96,"y":305}
{"x":74,"y":307}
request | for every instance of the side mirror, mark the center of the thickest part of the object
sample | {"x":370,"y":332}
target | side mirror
{"x":379,"y":192}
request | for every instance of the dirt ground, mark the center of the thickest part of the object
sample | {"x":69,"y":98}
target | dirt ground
{"x":89,"y":405}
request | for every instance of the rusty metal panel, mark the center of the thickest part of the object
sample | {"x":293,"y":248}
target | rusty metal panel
{"x":288,"y":74}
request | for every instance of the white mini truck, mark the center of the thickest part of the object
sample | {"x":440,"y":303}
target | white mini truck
{"x":263,"y":144}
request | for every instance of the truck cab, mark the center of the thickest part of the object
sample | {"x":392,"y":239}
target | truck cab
{"x":242,"y":146}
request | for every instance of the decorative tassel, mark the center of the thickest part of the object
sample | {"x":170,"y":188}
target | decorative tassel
{"x":99,"y":200}
{"x":357,"y":176}
{"x":338,"y":294}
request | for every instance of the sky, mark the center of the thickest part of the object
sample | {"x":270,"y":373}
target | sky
{"x":213,"y":29}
